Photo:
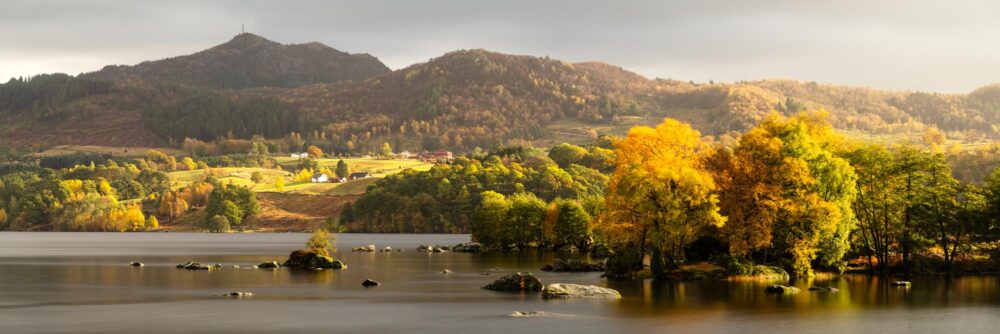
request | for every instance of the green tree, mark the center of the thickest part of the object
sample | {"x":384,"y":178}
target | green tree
{"x":386,"y":150}
{"x":572,"y":226}
{"x":567,"y":154}
{"x":524,"y":220}
{"x":489,"y":218}
{"x":342,"y":169}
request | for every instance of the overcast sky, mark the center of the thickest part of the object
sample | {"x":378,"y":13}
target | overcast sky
{"x":948,"y":46}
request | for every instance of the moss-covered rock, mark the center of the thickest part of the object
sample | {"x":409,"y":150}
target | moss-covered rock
{"x":307,"y":259}
{"x":516,"y":282}
{"x":781,"y":289}
{"x":198,"y":266}
{"x":269,"y":265}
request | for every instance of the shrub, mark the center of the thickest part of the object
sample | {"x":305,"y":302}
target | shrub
{"x":218,"y":223}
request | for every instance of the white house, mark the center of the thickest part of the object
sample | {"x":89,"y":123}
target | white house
{"x":320,"y":178}
{"x":299,"y":155}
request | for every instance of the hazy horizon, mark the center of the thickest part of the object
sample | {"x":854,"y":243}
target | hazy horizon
{"x":895,"y":45}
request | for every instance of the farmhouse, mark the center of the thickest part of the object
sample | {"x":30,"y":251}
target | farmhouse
{"x":359,"y":175}
{"x":320,"y":178}
{"x":436,"y":155}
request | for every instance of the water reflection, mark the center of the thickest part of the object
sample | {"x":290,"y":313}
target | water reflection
{"x":85,"y":280}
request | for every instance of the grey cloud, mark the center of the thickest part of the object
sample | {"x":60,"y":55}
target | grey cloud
{"x":920,"y":45}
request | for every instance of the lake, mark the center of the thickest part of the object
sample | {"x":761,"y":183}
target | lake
{"x":81,"y":283}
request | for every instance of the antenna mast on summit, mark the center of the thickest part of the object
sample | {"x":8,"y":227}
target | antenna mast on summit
{"x":242,"y":30}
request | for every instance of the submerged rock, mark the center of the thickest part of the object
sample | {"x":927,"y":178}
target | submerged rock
{"x":823,"y":289}
{"x":307,"y":259}
{"x":561,"y":265}
{"x":238,"y":294}
{"x":566,"y":290}
{"x":469,"y":247}
{"x":198,"y":266}
{"x":516,"y":282}
{"x":269,"y":265}
{"x":781,"y":289}
{"x":370,"y":283}
{"x":902,"y":284}
{"x":537,"y":314}
{"x":135,"y":264}
{"x":367,"y":248}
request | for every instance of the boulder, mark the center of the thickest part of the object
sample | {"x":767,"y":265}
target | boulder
{"x":370,"y":283}
{"x":901,"y":284}
{"x":307,"y":259}
{"x":823,"y":289}
{"x":561,"y":265}
{"x":135,"y":264}
{"x":367,"y":248}
{"x":566,"y":290}
{"x":469,"y":247}
{"x":781,"y":289}
{"x":446,"y":271}
{"x":445,"y":248}
{"x":387,"y":249}
{"x":600,"y":251}
{"x":198,"y":266}
{"x":516,"y":282}
{"x":269,"y":265}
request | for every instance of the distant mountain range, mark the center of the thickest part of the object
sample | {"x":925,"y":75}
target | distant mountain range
{"x":461,"y":100}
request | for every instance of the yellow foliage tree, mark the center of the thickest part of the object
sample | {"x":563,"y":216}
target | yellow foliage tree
{"x":315,"y":152}
{"x":661,"y":193}
{"x":189,"y":164}
{"x":304,"y":175}
{"x":279,"y":184}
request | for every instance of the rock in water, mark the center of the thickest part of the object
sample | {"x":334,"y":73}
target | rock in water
{"x":781,"y":289}
{"x":446,"y":271}
{"x":823,"y":289}
{"x":370,"y":283}
{"x":470,"y":247}
{"x":135,"y":264}
{"x":368,"y":248}
{"x":566,"y":290}
{"x":387,"y":249}
{"x":307,"y":259}
{"x":516,"y":282}
{"x":198,"y":266}
{"x":269,"y":265}
{"x":902,"y":284}
{"x":239,"y":294}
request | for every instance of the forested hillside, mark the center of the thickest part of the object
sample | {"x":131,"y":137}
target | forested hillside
{"x":310,"y":94}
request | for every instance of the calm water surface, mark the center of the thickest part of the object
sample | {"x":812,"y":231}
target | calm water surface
{"x":80,"y":283}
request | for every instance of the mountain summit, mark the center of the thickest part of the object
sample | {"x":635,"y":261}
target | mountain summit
{"x":249,"y":61}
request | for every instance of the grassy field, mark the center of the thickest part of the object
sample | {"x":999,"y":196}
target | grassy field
{"x":242,"y":176}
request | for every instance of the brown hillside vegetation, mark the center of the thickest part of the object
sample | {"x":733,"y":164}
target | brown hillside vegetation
{"x":280,"y":212}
